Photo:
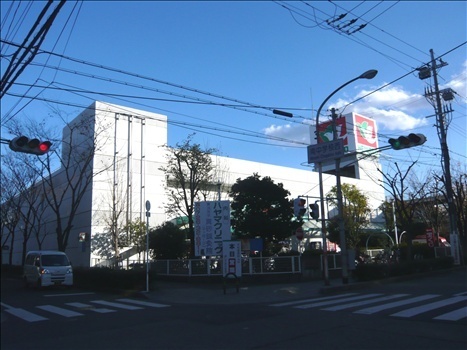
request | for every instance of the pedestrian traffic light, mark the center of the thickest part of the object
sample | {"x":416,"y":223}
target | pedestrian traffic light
{"x":32,"y":146}
{"x":314,"y":211}
{"x":412,"y":140}
{"x":299,"y":207}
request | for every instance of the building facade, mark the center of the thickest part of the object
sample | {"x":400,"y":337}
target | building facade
{"x":129,"y":151}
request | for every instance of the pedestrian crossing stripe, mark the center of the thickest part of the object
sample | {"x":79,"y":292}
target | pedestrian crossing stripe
{"x":90,"y":307}
{"x":364,"y":302}
{"x":455,"y":315}
{"x":329,"y":302}
{"x":428,"y":307}
{"x":143,"y":303}
{"x":117,"y":305}
{"x":32,"y":317}
{"x":354,"y":300}
{"x":59,"y":311}
{"x":25,"y":315}
{"x":290,"y":303}
{"x":374,"y":309}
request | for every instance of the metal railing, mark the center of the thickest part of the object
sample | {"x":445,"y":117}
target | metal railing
{"x":213,"y":266}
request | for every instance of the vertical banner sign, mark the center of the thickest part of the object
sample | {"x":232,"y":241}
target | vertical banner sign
{"x":232,"y":261}
{"x":212,"y":227}
{"x":430,"y":239}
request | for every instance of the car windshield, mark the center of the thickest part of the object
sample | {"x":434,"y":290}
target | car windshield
{"x":55,"y":260}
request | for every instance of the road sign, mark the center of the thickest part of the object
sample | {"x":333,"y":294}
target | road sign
{"x":325,"y":151}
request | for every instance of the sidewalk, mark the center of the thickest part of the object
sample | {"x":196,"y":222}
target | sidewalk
{"x":171,"y":292}
{"x":211,"y":293}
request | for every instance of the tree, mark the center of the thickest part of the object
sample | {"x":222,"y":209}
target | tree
{"x":168,"y":241}
{"x":189,"y":170}
{"x":21,"y":201}
{"x":406,"y":199}
{"x":261,"y":208}
{"x":355,"y":213}
{"x":64,"y":188}
{"x":133,"y":234}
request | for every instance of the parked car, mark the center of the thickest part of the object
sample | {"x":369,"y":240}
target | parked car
{"x":47,"y":268}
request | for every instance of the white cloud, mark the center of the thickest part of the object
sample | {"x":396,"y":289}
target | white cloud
{"x":394,"y":109}
{"x":458,"y":83}
{"x":295,"y":132}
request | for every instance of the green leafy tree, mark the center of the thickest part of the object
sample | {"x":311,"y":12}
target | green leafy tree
{"x":168,"y":241}
{"x":189,"y":171}
{"x":133,"y":234}
{"x":356,"y":209}
{"x":261,"y":208}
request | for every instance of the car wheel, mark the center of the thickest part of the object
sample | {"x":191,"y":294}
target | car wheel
{"x":38,"y":283}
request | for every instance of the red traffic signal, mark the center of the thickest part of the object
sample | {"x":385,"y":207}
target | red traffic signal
{"x":32,"y":146}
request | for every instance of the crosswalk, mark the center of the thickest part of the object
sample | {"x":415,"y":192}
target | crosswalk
{"x":78,"y":309}
{"x":452,"y":308}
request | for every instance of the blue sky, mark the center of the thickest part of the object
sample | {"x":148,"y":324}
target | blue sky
{"x":193,"y":61}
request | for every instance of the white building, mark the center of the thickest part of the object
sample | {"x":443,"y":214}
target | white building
{"x":126,"y":166}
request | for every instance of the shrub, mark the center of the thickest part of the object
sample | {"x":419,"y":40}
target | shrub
{"x":109,"y":279}
{"x":367,"y":272}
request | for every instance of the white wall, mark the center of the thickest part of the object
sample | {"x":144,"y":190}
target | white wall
{"x":128,"y":158}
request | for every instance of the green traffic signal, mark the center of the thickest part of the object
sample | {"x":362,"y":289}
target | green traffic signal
{"x":412,"y":140}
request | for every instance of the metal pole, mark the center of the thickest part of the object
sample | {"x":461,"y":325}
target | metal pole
{"x":340,"y":207}
{"x":323,"y":226}
{"x":370,"y":74}
{"x":395,"y":224}
{"x":148,"y":214}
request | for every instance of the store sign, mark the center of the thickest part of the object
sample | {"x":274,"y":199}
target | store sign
{"x":232,"y":259}
{"x":212,"y":227}
{"x":365,"y":131}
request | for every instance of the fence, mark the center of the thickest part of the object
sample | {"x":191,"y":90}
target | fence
{"x":213,"y":266}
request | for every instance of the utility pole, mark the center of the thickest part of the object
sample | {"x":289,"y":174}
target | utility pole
{"x":434,"y":97}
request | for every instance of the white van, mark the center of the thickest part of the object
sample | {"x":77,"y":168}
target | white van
{"x":47,"y":268}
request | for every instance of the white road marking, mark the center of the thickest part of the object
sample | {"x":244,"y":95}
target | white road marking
{"x":330,"y":302}
{"x":374,"y":309}
{"x":67,"y":295}
{"x":59,"y":311}
{"x":455,"y":315}
{"x":142,"y":303}
{"x":90,"y":307}
{"x":117,"y":305}
{"x":288,"y":303}
{"x":25,"y":315}
{"x":364,"y":302}
{"x":428,"y":307}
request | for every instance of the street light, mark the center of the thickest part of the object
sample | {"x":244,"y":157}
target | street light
{"x":370,"y":74}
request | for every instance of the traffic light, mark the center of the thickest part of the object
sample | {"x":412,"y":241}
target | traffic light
{"x":299,"y":207}
{"x":314,"y":211}
{"x":412,"y":140}
{"x":32,"y":146}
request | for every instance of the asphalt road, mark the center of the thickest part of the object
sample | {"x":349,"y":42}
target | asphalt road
{"x":412,"y":314}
